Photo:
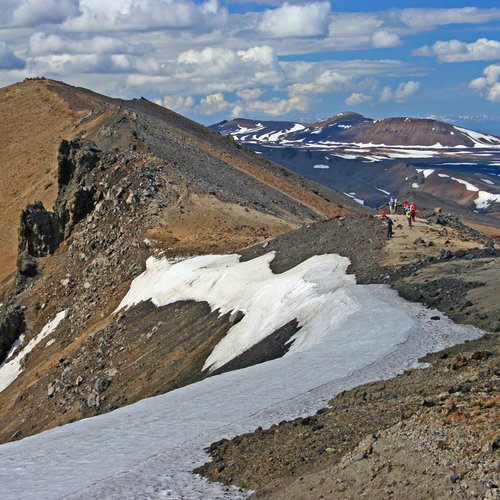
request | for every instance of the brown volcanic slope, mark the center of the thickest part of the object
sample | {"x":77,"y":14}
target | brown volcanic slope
{"x":162,"y":185}
{"x":38,"y":113}
{"x":406,"y":131}
{"x":34,"y":120}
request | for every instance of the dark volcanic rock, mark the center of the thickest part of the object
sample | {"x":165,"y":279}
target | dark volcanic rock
{"x":12,"y":325}
{"x":76,"y":195}
{"x":272,"y":347}
{"x":40,"y":231}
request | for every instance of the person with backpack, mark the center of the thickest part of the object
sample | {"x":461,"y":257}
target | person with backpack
{"x":413,"y":210}
{"x":390,"y":223}
{"x":391,"y":204}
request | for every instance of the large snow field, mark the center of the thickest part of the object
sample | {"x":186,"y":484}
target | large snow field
{"x":351,"y":334}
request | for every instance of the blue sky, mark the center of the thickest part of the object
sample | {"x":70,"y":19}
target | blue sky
{"x":294,"y":60}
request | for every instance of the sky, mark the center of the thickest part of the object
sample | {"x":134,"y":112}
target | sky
{"x":149,"y":449}
{"x":295,"y":60}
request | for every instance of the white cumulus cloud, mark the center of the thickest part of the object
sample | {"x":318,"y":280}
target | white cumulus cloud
{"x":35,"y":12}
{"x":213,"y":104}
{"x":402,"y":93}
{"x":384,"y":39}
{"x":42,"y":44}
{"x":458,"y":51}
{"x":227,"y":69}
{"x":488,"y":85}
{"x":308,"y":20}
{"x":357,"y":98}
{"x":249,"y":94}
{"x":425,"y":19}
{"x":113,"y":15}
{"x":70,"y":64}
{"x":180,"y":104}
{"x":277,"y":106}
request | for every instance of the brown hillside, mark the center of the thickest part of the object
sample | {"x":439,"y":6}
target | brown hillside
{"x":34,"y":120}
{"x":141,"y":180}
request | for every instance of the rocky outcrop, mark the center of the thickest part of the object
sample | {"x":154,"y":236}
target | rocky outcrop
{"x":12,"y":325}
{"x":76,"y":195}
{"x":41,"y":231}
{"x":39,"y":235}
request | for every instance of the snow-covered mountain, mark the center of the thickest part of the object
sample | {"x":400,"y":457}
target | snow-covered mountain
{"x":329,"y":150}
{"x":352,"y":128}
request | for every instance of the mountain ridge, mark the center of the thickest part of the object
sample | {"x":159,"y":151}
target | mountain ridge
{"x":133,"y":184}
{"x":128,"y":180}
{"x":356,"y":128}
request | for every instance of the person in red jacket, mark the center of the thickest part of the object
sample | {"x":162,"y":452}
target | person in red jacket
{"x":413,"y":211}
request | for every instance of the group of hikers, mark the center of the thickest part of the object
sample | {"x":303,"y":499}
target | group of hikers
{"x":409,"y":210}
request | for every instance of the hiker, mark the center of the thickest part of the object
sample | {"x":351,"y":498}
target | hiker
{"x":408,"y":217}
{"x":390,"y":223}
{"x":395,"y":204}
{"x":405,"y":206}
{"x":391,"y":204}
{"x":413,"y":211}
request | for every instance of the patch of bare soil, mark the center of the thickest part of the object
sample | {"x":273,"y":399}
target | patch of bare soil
{"x":423,"y":239}
{"x":202,"y":223}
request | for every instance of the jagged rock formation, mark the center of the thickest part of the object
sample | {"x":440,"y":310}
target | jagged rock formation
{"x":76,"y":189}
{"x":40,"y":231}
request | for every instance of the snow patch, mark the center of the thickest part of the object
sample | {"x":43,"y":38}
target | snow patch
{"x":487,"y":181}
{"x":383,"y":191}
{"x":357,"y":200}
{"x":468,"y":185}
{"x":149,"y":449}
{"x":308,"y":293}
{"x":480,"y":140}
{"x":10,"y":370}
{"x":321,"y":166}
{"x":415,"y":185}
{"x":485,"y":199}
{"x":425,"y":171}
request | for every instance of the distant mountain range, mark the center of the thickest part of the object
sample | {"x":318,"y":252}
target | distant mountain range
{"x":454,"y":163}
{"x":354,"y":129}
